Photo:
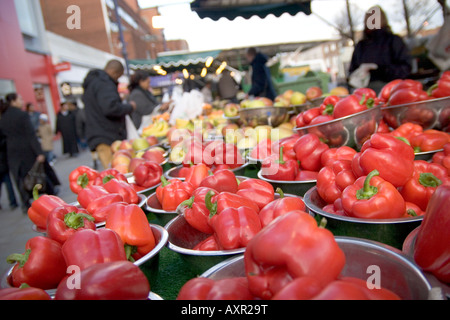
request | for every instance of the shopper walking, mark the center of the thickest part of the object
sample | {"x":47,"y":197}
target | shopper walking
{"x":4,"y":175}
{"x":228,"y":87}
{"x":34,"y":115}
{"x":105,"y":111}
{"x":22,"y":145}
{"x":45,"y":133}
{"x":262,"y":85}
{"x":65,"y":124}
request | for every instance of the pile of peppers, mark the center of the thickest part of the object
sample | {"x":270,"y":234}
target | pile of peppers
{"x":290,"y":259}
{"x":383,"y":180}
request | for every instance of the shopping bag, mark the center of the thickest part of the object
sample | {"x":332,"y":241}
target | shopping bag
{"x":132,"y":132}
{"x":439,"y":46}
{"x":35,"y":176}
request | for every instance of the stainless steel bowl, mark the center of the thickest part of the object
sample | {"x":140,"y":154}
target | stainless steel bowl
{"x":294,"y":187}
{"x":426,"y":155}
{"x":183,"y":238}
{"x":430,"y":114}
{"x":173,"y":173}
{"x":272,"y":116}
{"x":397,"y":272}
{"x":352,"y":130}
{"x":389,"y":231}
{"x":297,"y":108}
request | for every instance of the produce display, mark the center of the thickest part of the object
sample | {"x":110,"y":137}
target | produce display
{"x":227,"y":190}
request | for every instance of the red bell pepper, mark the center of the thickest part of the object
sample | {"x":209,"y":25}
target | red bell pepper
{"x":148,"y":174}
{"x":327,"y":106}
{"x":333,"y":154}
{"x":407,"y":84}
{"x":182,"y":173}
{"x":195,"y":211}
{"x":235,"y":288}
{"x":321,"y":119}
{"x":288,"y":146}
{"x":194,"y":153}
{"x":276,"y":167}
{"x":349,"y":288}
{"x":367,"y":95}
{"x":333,"y":179}
{"x":407,"y":130}
{"x":303,"y":288}
{"x":89,"y":194}
{"x":430,"y":140}
{"x":310,"y":114}
{"x":443,"y":157}
{"x":96,"y":207}
{"x":209,"y":244}
{"x":42,"y":206}
{"x":383,"y":127}
{"x":42,"y":264}
{"x":223,"y":200}
{"x":123,"y":188}
{"x":259,"y":191}
{"x":431,"y":247}
{"x":223,"y":180}
{"x":82,"y":177}
{"x":372,"y":197}
{"x":406,"y":95}
{"x":24,"y":292}
{"x":279,"y":207}
{"x":262,"y":150}
{"x":108,"y":174}
{"x":442,"y":87}
{"x":306,"y":175}
{"x":393,"y":158}
{"x":131,"y":224}
{"x":118,"y":280}
{"x":173,"y":192}
{"x":291,"y":247}
{"x":413,"y":210}
{"x":196,"y":174}
{"x":349,"y":105}
{"x":64,"y":221}
{"x":426,"y":178}
{"x":335,"y":208}
{"x":308,"y":150}
{"x":235,"y":227}
{"x":88,"y":247}
{"x":385,"y":92}
{"x":228,"y":153}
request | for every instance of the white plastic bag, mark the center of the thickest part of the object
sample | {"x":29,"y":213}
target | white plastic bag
{"x":360,"y":78}
{"x":132,"y":132}
{"x":439,"y":46}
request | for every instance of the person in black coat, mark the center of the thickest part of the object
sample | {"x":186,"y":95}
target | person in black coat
{"x":4,"y":174}
{"x":23,"y":147}
{"x":262,"y":85}
{"x":105,"y":112}
{"x":66,"y":125}
{"x":383,"y":48}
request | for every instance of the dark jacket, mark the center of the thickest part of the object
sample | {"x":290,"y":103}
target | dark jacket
{"x":386,"y":50}
{"x":262,"y":85}
{"x":145,"y":104}
{"x":105,"y":112}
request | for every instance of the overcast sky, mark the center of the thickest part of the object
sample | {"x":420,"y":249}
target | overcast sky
{"x":206,"y":34}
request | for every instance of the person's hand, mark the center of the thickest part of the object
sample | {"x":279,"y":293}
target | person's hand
{"x":164,"y":106}
{"x":40,"y":158}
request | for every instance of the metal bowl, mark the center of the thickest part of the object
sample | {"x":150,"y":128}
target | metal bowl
{"x":352,"y":130}
{"x":397,"y":272}
{"x":430,"y":114}
{"x":173,"y":173}
{"x":272,"y":116}
{"x":297,"y":108}
{"x":183,"y":237}
{"x":153,"y":206}
{"x":293,"y":187}
{"x":389,"y":231}
{"x":426,"y":155}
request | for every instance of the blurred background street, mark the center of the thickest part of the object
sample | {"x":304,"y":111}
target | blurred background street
{"x":16,"y":227}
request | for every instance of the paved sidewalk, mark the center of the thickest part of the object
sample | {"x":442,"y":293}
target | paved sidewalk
{"x":15,"y":227}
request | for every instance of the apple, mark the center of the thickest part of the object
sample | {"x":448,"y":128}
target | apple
{"x":313,"y":92}
{"x":233,"y":136}
{"x":177,"y":154}
{"x":287,"y":94}
{"x":140,"y":144}
{"x":229,"y":127}
{"x":247,"y":143}
{"x":134,"y":163}
{"x":262,"y":132}
{"x":266,"y":101}
{"x":152,"y":140}
{"x":153,"y":155}
{"x":115,"y":145}
{"x":231,"y":110}
{"x":127,"y":152}
{"x":298,"y":98}
{"x":125,"y":144}
{"x":245,"y":103}
{"x":256,"y":103}
{"x":280,"y":133}
{"x":122,"y":168}
{"x":339,"y":91}
{"x":120,"y":159}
